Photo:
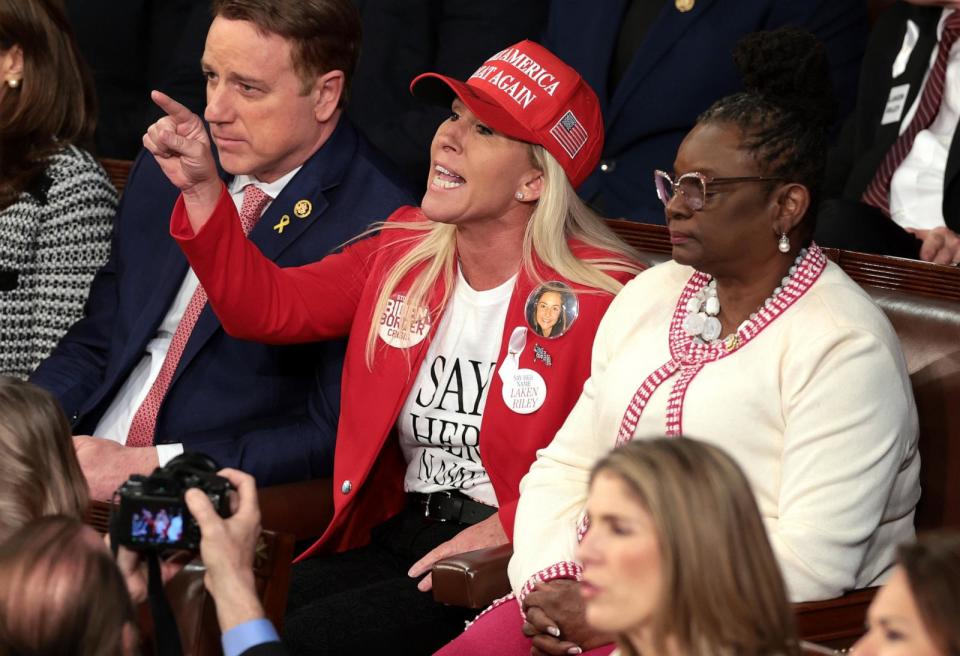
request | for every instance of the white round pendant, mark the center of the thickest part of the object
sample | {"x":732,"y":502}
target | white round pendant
{"x":711,"y":329}
{"x":693,"y":324}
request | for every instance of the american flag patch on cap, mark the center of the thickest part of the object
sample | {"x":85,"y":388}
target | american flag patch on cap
{"x":570,"y":134}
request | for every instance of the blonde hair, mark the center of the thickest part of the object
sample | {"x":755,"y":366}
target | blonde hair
{"x":40,"y":473}
{"x":559,"y":215}
{"x":722,"y":588}
{"x":61,"y":592}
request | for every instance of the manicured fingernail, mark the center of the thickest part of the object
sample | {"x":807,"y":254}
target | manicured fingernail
{"x":574,"y":650}
{"x":554,"y":631}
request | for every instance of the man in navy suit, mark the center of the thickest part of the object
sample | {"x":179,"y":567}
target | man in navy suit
{"x":657,"y":64}
{"x":149,"y":365}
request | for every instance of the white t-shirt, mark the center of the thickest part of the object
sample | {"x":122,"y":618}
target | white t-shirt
{"x":439,"y":424}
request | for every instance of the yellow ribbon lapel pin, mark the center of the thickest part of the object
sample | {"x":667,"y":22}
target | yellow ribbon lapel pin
{"x":284,"y":222}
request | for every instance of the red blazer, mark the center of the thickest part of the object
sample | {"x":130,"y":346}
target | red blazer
{"x":256,"y":299}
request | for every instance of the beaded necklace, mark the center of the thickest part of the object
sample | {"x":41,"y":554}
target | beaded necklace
{"x":689,"y":353}
{"x":701,"y":321}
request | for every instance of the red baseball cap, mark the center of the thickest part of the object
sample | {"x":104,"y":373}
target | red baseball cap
{"x":528,"y":93}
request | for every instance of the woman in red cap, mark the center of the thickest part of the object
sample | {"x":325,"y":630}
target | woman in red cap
{"x":442,"y":412}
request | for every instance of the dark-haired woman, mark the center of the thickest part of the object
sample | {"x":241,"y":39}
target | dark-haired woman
{"x":916,"y":612}
{"x":751,"y":340}
{"x":56,"y":202}
{"x":549,"y":317}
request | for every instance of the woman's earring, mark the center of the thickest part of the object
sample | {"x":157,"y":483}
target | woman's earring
{"x":13,"y":83}
{"x":784,"y":243}
{"x":518,"y":195}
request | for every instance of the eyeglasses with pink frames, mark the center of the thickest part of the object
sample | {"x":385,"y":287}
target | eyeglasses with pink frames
{"x":692,"y":186}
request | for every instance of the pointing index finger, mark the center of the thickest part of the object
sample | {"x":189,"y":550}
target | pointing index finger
{"x":175,"y":110}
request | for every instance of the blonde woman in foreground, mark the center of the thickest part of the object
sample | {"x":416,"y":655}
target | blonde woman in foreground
{"x":40,"y":473}
{"x":676,"y":559}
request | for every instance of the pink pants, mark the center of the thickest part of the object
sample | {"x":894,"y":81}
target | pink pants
{"x":498,"y":631}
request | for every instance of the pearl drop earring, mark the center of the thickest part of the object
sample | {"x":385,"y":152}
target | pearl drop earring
{"x":783,"y":244}
{"x":13,"y":83}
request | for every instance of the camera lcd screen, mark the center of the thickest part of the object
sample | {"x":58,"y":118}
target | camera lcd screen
{"x":156,"y":524}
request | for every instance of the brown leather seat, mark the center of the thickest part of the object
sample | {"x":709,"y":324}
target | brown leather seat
{"x":301,"y":509}
{"x":922,"y":301}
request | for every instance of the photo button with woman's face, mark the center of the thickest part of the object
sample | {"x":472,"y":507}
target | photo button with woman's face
{"x":552,"y":309}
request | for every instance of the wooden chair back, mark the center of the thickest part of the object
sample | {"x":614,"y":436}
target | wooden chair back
{"x":118,"y":170}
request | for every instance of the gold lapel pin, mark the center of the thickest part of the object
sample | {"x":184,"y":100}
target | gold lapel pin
{"x":684,"y":5}
{"x":284,"y":222}
{"x":302,"y":209}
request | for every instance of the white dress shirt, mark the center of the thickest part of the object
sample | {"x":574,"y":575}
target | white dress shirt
{"x":916,"y":189}
{"x":115,"y":422}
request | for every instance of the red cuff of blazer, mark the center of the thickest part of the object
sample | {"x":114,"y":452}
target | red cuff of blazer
{"x":180,"y":228}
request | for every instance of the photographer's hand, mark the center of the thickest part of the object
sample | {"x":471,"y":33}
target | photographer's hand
{"x":227,"y":549}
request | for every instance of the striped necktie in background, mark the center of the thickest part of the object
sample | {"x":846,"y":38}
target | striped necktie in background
{"x":878,"y":191}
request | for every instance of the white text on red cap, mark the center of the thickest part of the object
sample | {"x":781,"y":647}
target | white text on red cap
{"x":519,"y":92}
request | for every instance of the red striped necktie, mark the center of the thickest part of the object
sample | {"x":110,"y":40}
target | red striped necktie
{"x":144,"y":422}
{"x":878,"y":191}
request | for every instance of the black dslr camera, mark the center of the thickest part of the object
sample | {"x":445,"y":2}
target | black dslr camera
{"x":152,"y":515}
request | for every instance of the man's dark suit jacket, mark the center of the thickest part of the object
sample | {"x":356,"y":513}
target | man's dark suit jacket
{"x":682,"y":66}
{"x":269,"y":410}
{"x":266,"y":649}
{"x":865,"y":142}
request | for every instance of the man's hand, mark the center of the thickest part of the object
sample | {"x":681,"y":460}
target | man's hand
{"x":227,"y":549}
{"x":488,"y":533}
{"x":107,"y":464}
{"x":556,"y":620}
{"x":180,"y":144}
{"x":940,"y":245}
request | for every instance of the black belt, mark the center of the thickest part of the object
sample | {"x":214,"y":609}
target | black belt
{"x":450,"y":506}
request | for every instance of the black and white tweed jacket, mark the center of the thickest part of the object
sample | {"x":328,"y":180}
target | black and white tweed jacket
{"x":52,"y":241}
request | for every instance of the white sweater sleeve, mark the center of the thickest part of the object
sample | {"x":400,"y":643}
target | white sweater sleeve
{"x":851,"y":426}
{"x":554,"y":491}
